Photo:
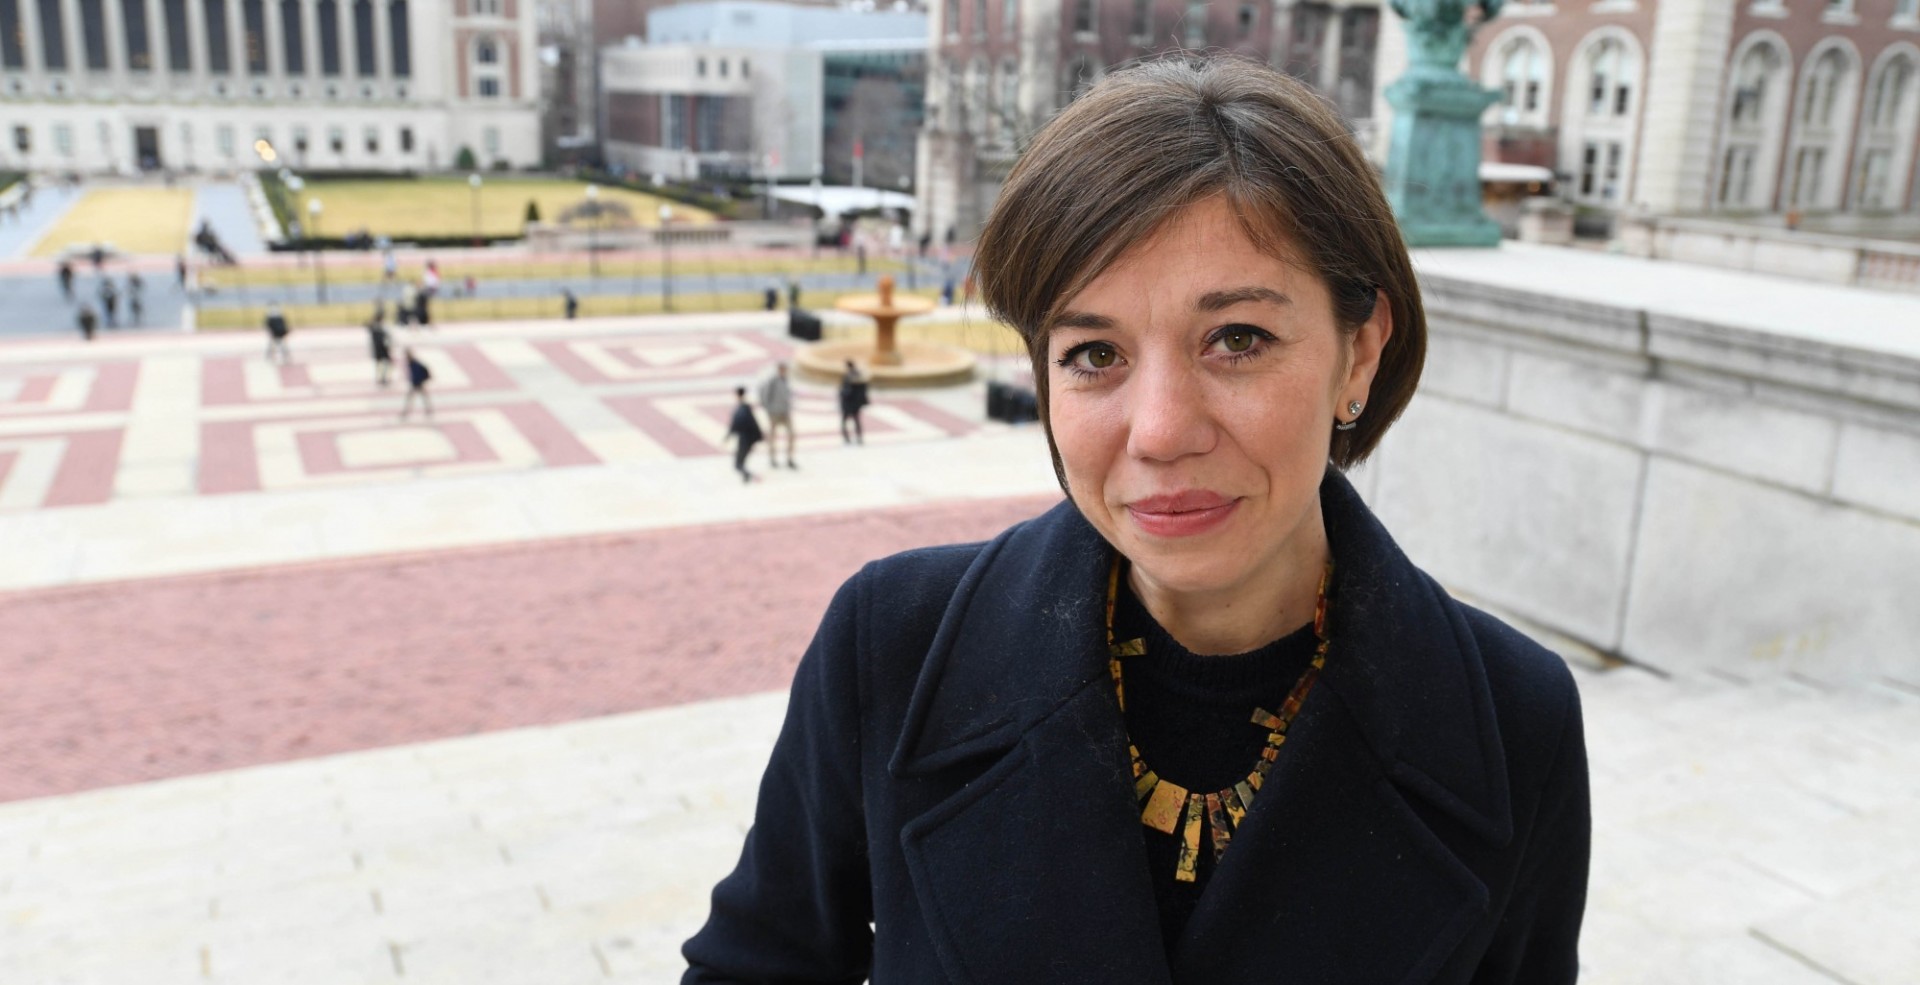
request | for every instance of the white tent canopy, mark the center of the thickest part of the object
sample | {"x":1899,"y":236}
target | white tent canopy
{"x":837,"y":199}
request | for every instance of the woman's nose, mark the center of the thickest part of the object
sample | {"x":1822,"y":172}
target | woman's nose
{"x":1168,"y":414}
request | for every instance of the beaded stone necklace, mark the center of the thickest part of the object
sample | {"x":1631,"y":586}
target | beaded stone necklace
{"x":1165,"y":802}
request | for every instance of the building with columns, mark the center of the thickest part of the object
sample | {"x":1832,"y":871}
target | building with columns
{"x":117,"y":86}
{"x":1710,"y":106}
{"x":999,"y":69}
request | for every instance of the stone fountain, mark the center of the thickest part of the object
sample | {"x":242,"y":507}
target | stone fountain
{"x":886,"y":361}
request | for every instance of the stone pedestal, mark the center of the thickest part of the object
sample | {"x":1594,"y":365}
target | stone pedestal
{"x":1433,"y":163}
{"x":1544,"y":219}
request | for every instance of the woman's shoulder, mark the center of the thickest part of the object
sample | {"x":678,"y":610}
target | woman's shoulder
{"x":1534,"y":691}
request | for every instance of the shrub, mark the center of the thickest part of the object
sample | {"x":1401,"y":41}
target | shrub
{"x":464,"y":161}
{"x":533,"y":211}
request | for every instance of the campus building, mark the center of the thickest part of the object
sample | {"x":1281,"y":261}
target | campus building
{"x":1710,"y":106}
{"x":1001,"y":68}
{"x":755,"y":89}
{"x":211,"y":85}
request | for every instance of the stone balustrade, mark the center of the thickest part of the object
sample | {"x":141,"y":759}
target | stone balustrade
{"x":1688,"y":495}
{"x":1829,"y":257}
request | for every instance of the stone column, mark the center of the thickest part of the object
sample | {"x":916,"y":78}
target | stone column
{"x":1330,"y":41}
{"x":1682,"y":97}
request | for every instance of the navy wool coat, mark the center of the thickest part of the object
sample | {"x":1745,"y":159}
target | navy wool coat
{"x":950,"y":799}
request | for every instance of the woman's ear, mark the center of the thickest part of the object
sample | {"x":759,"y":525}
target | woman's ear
{"x":1364,"y":349}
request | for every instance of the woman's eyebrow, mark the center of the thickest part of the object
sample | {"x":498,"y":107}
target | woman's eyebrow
{"x":1082,"y":319}
{"x":1220,"y":300}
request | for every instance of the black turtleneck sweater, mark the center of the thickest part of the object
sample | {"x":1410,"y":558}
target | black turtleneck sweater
{"x":1191,"y":718}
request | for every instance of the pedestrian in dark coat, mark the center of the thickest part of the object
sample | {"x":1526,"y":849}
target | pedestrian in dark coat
{"x":381,"y":344}
{"x":853,"y":397}
{"x":277,"y":332}
{"x":744,"y":428}
{"x":66,"y":279}
{"x":417,"y":376}
{"x":110,"y":302}
{"x":87,"y":320}
{"x":1204,"y":722}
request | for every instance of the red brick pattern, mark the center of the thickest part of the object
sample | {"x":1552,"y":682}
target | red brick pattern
{"x":121,"y":683}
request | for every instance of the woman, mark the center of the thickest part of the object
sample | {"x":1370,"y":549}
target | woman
{"x":853,"y":398}
{"x":1204,"y":722}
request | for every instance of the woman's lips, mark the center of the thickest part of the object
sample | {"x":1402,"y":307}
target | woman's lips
{"x":1182,"y":514}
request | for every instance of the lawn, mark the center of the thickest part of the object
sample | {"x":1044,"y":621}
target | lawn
{"x":133,"y":220}
{"x":444,"y":206}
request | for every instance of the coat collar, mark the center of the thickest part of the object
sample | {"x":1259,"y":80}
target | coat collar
{"x":1023,"y":636}
{"x":1014,"y":699}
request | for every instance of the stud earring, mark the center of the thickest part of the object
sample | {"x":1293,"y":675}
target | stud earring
{"x":1353,"y":407}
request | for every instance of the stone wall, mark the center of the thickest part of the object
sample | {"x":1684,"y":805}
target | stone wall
{"x":1689,"y":496}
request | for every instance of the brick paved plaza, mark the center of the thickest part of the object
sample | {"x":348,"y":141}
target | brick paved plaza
{"x":299,"y":693}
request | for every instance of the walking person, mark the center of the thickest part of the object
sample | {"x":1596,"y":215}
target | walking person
{"x":572,"y":302}
{"x":110,"y":301}
{"x":66,"y":279}
{"x":745,"y":429}
{"x":87,"y":320}
{"x":422,"y":312}
{"x":409,"y":300}
{"x":776,"y":398}
{"x":277,"y":332}
{"x":136,"y":309}
{"x":381,"y":344}
{"x":417,"y":376}
{"x":853,"y":397}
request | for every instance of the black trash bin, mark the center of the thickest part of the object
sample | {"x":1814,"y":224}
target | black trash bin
{"x":803,"y":325}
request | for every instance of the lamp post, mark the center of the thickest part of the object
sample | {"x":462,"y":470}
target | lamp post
{"x":593,"y":230}
{"x":313,"y":232}
{"x":473,"y":185}
{"x":666,"y":254}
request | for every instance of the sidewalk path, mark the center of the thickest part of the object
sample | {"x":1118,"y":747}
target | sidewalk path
{"x":224,"y":205}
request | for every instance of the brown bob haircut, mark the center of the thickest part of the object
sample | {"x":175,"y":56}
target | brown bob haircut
{"x":1152,"y":139}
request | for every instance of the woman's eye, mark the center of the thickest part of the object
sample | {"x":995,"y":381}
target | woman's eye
{"x":1238,"y":339}
{"x":1090,"y":356}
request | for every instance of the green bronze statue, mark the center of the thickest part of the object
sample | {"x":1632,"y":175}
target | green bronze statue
{"x":1433,"y":161}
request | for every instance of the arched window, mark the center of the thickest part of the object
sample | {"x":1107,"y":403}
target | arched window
{"x":1609,"y":79}
{"x":486,"y":52}
{"x":1889,"y":93}
{"x":1823,"y":86}
{"x":1521,"y":68}
{"x":1751,"y":80}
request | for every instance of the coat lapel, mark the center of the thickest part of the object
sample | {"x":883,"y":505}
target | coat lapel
{"x":1336,"y":877}
{"x":1044,"y":836}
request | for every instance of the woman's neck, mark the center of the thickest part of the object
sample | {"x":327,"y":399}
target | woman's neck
{"x":1272,"y":602}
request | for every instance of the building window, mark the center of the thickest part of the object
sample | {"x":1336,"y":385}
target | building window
{"x":327,"y":12}
{"x":1009,"y":17}
{"x":1083,"y":16}
{"x":63,"y":139}
{"x":223,"y":140}
{"x":1249,"y":16}
{"x":486,"y":8}
{"x":253,"y":25}
{"x":490,"y":139}
{"x":1823,"y":89}
{"x":1751,"y":82}
{"x":300,"y":142}
{"x":486,"y":53}
{"x":12,"y":36}
{"x":406,"y":140}
{"x":950,"y":18}
{"x":980,"y":19}
{"x":364,"y":61}
{"x":1196,"y":23}
{"x":700,"y":67}
{"x":53,"y":37}
{"x":22,"y":139}
{"x":400,"y":37}
{"x":723,"y":68}
{"x":1522,"y":68}
{"x":293,"y":51}
{"x":746,"y":69}
{"x":1610,"y":90}
{"x":489,"y":88}
{"x":337,"y":140}
{"x":179,"y":46}
{"x":219,"y":56}
{"x":373,"y":140}
{"x":1906,"y":10}
{"x":93,"y":33}
{"x":133,"y":22}
{"x":1876,"y":172}
{"x":1889,"y":92}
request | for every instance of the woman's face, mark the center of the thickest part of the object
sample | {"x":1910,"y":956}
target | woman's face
{"x":1194,"y":388}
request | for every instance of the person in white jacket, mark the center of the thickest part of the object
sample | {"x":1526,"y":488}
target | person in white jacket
{"x":776,"y":398}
